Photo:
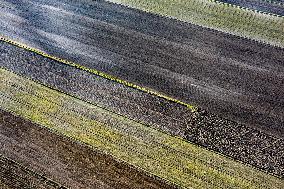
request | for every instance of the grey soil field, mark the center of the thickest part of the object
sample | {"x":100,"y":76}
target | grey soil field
{"x":235,"y":78}
{"x":67,"y":162}
{"x":208,"y":130}
{"x":274,"y":7}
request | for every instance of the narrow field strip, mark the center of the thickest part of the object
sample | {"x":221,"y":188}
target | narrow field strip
{"x":167,"y":157}
{"x":97,"y":72}
{"x":267,"y":28}
{"x":277,"y":2}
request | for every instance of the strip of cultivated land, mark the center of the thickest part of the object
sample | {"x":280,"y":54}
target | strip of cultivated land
{"x":217,"y":15}
{"x":167,"y":157}
{"x":266,"y":6}
{"x":15,"y":176}
{"x":73,"y":164}
{"x":257,"y":148}
{"x":235,"y":78}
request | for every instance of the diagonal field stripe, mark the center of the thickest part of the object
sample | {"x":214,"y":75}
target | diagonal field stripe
{"x":99,"y":73}
{"x":165,"y":156}
{"x":224,"y":17}
{"x":68,"y":162}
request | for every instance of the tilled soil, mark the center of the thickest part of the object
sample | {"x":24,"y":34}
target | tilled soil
{"x":238,"y":141}
{"x":62,"y":160}
{"x":165,"y":156}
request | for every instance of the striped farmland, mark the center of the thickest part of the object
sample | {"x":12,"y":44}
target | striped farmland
{"x":235,"y":20}
{"x":168,"y":157}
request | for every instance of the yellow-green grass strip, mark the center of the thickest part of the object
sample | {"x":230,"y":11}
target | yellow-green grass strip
{"x":98,"y":73}
{"x":157,"y":153}
{"x":220,"y":16}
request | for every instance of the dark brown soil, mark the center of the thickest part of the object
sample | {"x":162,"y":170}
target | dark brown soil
{"x":72,"y":164}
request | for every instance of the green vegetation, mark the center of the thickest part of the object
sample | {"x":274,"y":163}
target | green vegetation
{"x":219,"y":16}
{"x":168,"y":157}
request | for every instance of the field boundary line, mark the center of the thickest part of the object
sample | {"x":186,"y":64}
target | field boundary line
{"x":98,"y":73}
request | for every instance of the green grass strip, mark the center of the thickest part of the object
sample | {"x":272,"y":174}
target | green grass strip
{"x":168,"y":157}
{"x":98,"y":73}
{"x":220,"y":16}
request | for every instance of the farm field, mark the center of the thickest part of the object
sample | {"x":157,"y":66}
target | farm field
{"x":217,"y":15}
{"x":159,"y":154}
{"x":69,"y":163}
{"x":118,"y":94}
{"x":13,"y":175}
{"x":235,"y":78}
{"x":175,"y":119}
